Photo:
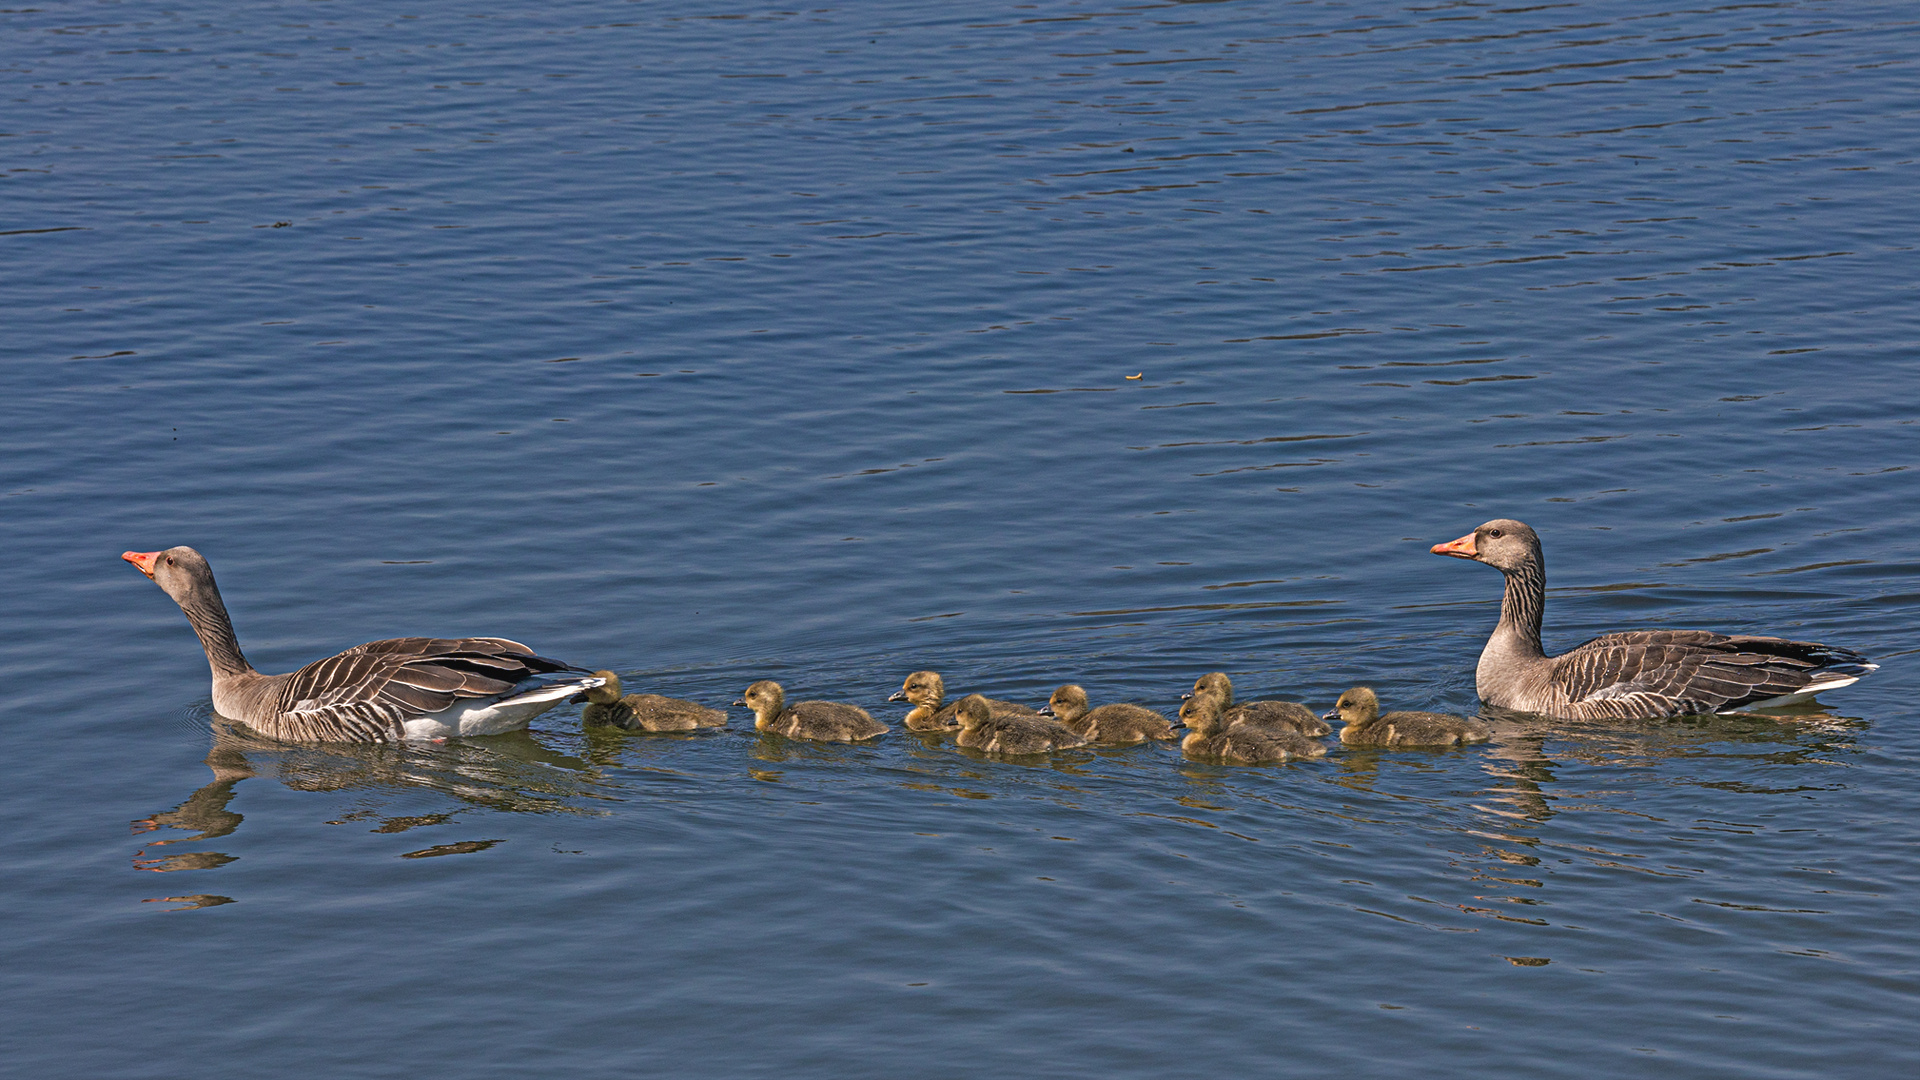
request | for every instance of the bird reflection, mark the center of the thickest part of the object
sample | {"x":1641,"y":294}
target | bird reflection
{"x":505,"y":772}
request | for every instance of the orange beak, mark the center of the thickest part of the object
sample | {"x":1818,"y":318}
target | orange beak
{"x":1460,"y":549}
{"x":142,"y":560}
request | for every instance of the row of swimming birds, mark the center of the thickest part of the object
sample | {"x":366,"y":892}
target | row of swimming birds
{"x":433,"y":688}
{"x":1218,"y":727}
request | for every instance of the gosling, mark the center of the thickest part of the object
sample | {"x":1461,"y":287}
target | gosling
{"x":822,"y":721}
{"x":1119,"y":724}
{"x":1359,"y":710}
{"x":927,"y":691}
{"x":1017,"y":735}
{"x":1213,"y":739}
{"x":643,"y":712}
{"x":1267,"y":713}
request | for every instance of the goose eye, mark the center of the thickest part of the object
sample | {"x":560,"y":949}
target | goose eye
{"x":1496,"y":534}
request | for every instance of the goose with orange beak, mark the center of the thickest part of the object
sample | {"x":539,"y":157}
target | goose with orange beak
{"x":1639,"y":674}
{"x":383,"y":691}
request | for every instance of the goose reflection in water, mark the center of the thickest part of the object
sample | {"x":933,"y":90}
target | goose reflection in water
{"x":1798,"y":736}
{"x":510,"y":772}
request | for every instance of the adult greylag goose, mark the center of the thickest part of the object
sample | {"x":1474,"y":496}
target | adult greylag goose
{"x":383,"y":691}
{"x":1118,"y":724}
{"x":1266,"y":713}
{"x":928,"y":693}
{"x":1359,"y":710}
{"x":1639,"y":674}
{"x":1010,"y":734}
{"x":1211,"y":738}
{"x":822,"y":721}
{"x":607,"y":707}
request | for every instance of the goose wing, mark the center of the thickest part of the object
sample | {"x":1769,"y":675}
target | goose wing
{"x":1678,"y":672}
{"x":370,"y":691}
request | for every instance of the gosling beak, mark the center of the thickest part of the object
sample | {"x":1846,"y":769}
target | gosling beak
{"x":741,"y":702}
{"x":1460,"y":549}
{"x":1186,"y":695}
{"x":899,"y":696}
{"x":578,"y":699}
{"x":1046,"y":710}
{"x":142,"y":560}
{"x":1331,"y":714}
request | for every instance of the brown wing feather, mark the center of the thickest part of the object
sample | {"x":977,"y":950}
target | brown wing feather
{"x":1644,"y":673}
{"x":370,"y":691}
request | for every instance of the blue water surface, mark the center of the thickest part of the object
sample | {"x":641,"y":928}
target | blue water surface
{"x":1031,"y":343}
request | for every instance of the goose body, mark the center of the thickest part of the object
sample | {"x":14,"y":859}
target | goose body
{"x":1010,"y":734}
{"x":1639,"y":674}
{"x":1366,"y":725}
{"x":821,"y":721}
{"x":927,"y":691}
{"x":1118,"y":724}
{"x":383,"y":691}
{"x":1268,"y":713}
{"x":607,"y":707}
{"x":1211,"y":738}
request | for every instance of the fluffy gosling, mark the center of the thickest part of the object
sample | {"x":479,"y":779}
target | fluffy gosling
{"x":982,"y":730}
{"x":1213,"y":739}
{"x":1118,"y":724}
{"x":928,"y":692}
{"x":822,"y":721}
{"x":1359,"y":710}
{"x":605,"y":707}
{"x":1267,"y":713}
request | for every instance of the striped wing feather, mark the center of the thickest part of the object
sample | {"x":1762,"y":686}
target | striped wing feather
{"x":370,"y":691}
{"x":1677,"y":672}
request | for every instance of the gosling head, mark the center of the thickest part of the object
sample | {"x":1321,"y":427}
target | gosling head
{"x":1069,"y":703}
{"x":1214,"y":682}
{"x":972,"y":711}
{"x":924,"y":688}
{"x":606,"y":693}
{"x":1502,"y":543}
{"x":765,"y":698}
{"x":1201,"y":713}
{"x":1356,"y":708}
{"x":1201,"y":701}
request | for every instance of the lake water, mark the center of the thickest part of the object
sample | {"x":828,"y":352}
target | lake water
{"x":1031,"y":343}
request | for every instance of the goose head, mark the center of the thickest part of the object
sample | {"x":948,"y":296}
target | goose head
{"x":765,"y":698}
{"x":1201,"y":712}
{"x":1067,"y":704}
{"x":972,"y":711}
{"x":1356,"y":708}
{"x":1502,"y":543}
{"x":606,"y":693}
{"x":923,"y":688}
{"x":179,"y":571}
{"x":1213,"y":682}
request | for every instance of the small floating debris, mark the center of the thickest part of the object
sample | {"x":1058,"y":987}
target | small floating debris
{"x":1142,"y":375}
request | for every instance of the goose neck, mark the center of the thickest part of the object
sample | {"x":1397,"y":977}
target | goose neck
{"x":1521,"y":609}
{"x":208,"y":614}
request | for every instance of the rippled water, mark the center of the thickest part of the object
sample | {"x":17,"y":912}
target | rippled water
{"x":1028,"y":342}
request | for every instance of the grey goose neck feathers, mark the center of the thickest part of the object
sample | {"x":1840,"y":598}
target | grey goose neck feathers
{"x":1638,"y":674}
{"x":383,"y":691}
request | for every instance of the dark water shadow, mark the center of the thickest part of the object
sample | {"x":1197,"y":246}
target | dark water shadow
{"x":511,"y":773}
